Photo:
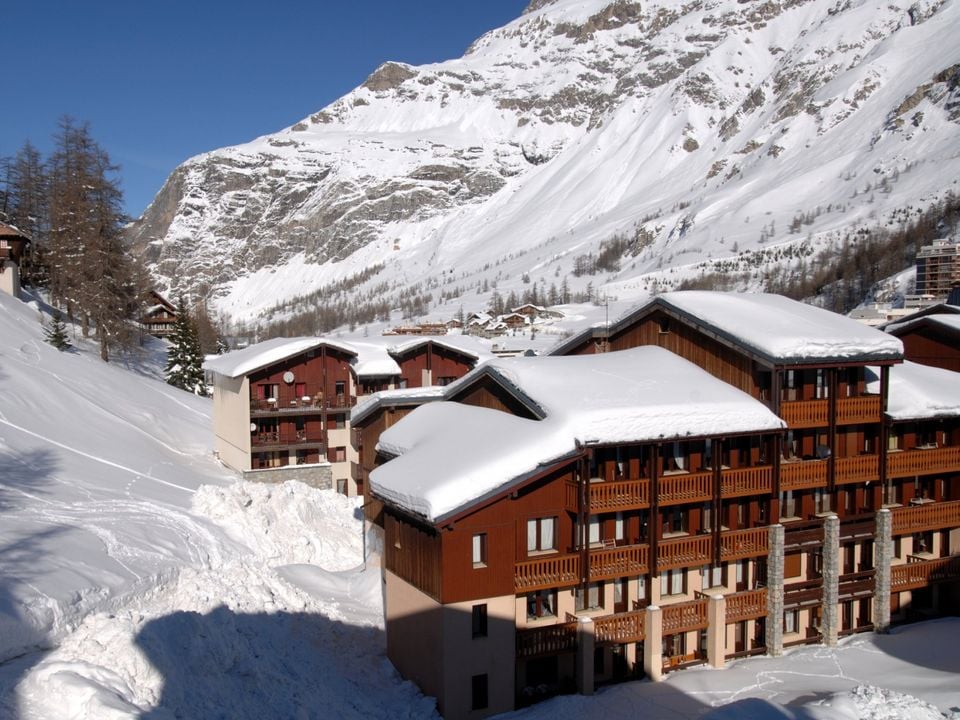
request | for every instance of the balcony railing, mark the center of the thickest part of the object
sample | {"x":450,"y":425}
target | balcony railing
{"x":739,"y":544}
{"x":918,"y":573}
{"x":618,"y":562}
{"x":803,"y":474}
{"x":687,"y":488}
{"x":549,"y":571}
{"x":621,"y":628}
{"x":746,"y":481}
{"x":300,"y":437}
{"x":290,"y":402}
{"x":803,"y":594}
{"x":923,"y":461}
{"x":805,"y":413}
{"x":619,"y":495}
{"x":685,"y":616}
{"x":746,"y":605}
{"x":857,"y":469}
{"x":546,"y":640}
{"x":864,"y":409}
{"x":688,"y":551}
{"x":926,"y":517}
{"x":854,"y":586}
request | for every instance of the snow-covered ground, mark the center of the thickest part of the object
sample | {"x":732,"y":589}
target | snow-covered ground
{"x":138,"y":579}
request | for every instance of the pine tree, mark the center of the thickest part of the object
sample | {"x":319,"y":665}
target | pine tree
{"x":56,"y":332}
{"x":184,"y":359}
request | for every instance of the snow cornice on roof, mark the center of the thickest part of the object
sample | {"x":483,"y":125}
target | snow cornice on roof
{"x":256,"y":357}
{"x":921,"y":392}
{"x":403,"y":397}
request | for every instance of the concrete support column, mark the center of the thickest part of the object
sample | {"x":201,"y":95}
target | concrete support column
{"x":883,"y":549}
{"x":653,"y":643}
{"x":774,"y":625}
{"x":717,"y":631}
{"x":586,"y":642}
{"x":830,"y":612}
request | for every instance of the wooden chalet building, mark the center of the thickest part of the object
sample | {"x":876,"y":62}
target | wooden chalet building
{"x":13,"y":244}
{"x":286,"y":402}
{"x":930,"y":338}
{"x":609,"y":549}
{"x":160,"y":316}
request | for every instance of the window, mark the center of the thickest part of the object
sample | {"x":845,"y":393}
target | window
{"x":446,"y":379}
{"x":619,"y":529}
{"x":478,"y":695}
{"x":708,"y":516}
{"x":893,"y":442}
{"x":592,"y":599}
{"x":541,"y":534}
{"x":663,"y":325}
{"x":791,"y":621}
{"x":300,"y":390}
{"x":593,"y":531}
{"x":338,"y":454}
{"x":480,"y":620}
{"x":821,"y":500}
{"x":268,"y":391}
{"x":822,"y":389}
{"x":673,"y":582}
{"x":340,"y":388}
{"x":674,"y":520}
{"x":480,"y":550}
{"x":712,"y":576}
{"x":788,"y":507}
{"x":542,"y":603}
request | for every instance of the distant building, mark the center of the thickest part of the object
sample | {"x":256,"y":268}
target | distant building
{"x":938,"y":269}
{"x":13,"y":244}
{"x":160,"y":317}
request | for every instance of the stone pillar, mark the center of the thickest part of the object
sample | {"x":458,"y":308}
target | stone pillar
{"x":653,"y":643}
{"x":883,"y":551}
{"x":586,"y":643}
{"x":829,"y":612}
{"x":774,"y":625}
{"x":717,"y":631}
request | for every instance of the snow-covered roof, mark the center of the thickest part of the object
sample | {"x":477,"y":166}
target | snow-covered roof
{"x":947,"y":322}
{"x":453,"y":455}
{"x":251,"y":358}
{"x":401,"y":396}
{"x":373,"y":360}
{"x":920,"y":392}
{"x":458,"y":343}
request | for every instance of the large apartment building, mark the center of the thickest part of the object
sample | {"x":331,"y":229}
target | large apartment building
{"x":283,"y":405}
{"x":770,"y":475}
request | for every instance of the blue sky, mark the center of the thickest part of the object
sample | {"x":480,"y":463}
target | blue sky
{"x":160,"y":82}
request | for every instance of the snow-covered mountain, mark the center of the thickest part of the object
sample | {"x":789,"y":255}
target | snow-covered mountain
{"x":694,"y":132}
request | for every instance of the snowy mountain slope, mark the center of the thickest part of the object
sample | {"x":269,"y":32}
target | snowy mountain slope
{"x":697,"y":131}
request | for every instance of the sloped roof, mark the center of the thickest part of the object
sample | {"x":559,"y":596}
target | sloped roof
{"x":250,"y":359}
{"x":920,"y":392}
{"x":950,"y":323}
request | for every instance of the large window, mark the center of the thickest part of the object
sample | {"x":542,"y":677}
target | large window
{"x":542,"y":603}
{"x":673,"y":582}
{"x":541,"y":534}
{"x":712,"y":576}
{"x":480,"y":550}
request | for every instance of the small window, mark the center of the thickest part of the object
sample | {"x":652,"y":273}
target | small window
{"x":480,"y":620}
{"x":480,"y":550}
{"x":542,"y":603}
{"x":338,"y":454}
{"x":592,"y":599}
{"x":663,"y":325}
{"x":673,"y":582}
{"x":712,"y":577}
{"x":479,"y":692}
{"x":791,"y":621}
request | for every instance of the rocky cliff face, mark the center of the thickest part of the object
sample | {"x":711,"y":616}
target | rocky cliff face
{"x":696,"y":127}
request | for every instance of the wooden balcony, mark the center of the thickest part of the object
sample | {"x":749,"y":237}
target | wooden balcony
{"x":803,"y":474}
{"x":926,"y":517}
{"x":685,"y":488}
{"x":923,"y":461}
{"x":805,"y":413}
{"x":853,"y":410}
{"x":681,"y":552}
{"x":547,"y":640}
{"x":739,"y":544}
{"x":306,"y":404}
{"x":549,"y":571}
{"x":746,"y":481}
{"x":625,"y":627}
{"x":685,"y":616}
{"x":618,"y":496}
{"x":857,"y":469}
{"x":746,"y":605}
{"x":283,"y":440}
{"x":617,"y":562}
{"x":802,"y":594}
{"x":919,"y":573}
{"x":858,"y":585}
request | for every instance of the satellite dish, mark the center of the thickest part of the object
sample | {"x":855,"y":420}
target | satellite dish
{"x":253,"y":427}
{"x":288,"y":377}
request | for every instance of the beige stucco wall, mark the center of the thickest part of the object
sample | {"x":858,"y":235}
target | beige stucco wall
{"x":231,"y":421}
{"x":414,"y":634}
{"x":10,"y":278}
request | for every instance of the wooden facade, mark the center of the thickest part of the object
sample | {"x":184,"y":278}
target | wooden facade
{"x":929,"y":341}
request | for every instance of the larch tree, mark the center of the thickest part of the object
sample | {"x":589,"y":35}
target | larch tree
{"x":184,"y":359}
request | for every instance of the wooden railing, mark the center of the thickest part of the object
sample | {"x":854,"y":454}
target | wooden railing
{"x":546,"y":640}
{"x":617,"y":562}
{"x":805,"y":413}
{"x":684,"y":617}
{"x":803,"y":474}
{"x":739,"y":544}
{"x":619,"y":495}
{"x":695,"y":487}
{"x":857,"y":469}
{"x":854,"y":586}
{"x":929,"y":516}
{"x":625,"y":627}
{"x":921,"y":573}
{"x":801,"y":594}
{"x":746,"y":481}
{"x":920,"y":462}
{"x":690,"y":551}
{"x":865,"y":409}
{"x":549,"y":571}
{"x":746,"y":605}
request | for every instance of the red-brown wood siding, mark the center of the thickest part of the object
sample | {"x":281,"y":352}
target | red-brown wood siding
{"x":412,"y":553}
{"x":488,"y":394}
{"x":928,"y":346}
